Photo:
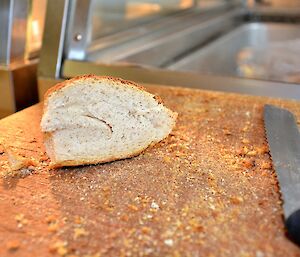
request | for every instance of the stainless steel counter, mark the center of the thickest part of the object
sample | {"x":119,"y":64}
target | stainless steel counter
{"x":183,"y":79}
{"x":226,"y":55}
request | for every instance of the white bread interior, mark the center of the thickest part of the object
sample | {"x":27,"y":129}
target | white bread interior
{"x":92,"y":119}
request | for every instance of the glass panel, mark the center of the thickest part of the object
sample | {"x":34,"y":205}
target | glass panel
{"x":21,"y":29}
{"x":115,"y":15}
{"x":35,"y":27}
{"x":206,"y":4}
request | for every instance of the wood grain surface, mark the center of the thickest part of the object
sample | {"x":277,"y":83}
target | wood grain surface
{"x":209,"y":189}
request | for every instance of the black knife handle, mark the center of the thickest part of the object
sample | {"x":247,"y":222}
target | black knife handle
{"x":292,"y":225}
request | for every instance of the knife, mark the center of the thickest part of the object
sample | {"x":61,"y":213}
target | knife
{"x":284,"y":142}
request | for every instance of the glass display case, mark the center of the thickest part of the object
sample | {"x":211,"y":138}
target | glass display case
{"x":120,"y":35}
{"x":146,"y":40}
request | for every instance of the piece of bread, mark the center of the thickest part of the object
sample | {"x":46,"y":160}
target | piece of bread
{"x":92,"y":119}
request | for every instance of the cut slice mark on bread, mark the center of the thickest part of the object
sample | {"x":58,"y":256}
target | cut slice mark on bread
{"x":93,"y":119}
{"x":101,"y":120}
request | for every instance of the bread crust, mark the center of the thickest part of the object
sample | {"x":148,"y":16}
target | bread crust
{"x":61,"y":85}
{"x":48,"y":136}
{"x":68,"y":82}
{"x":83,"y":162}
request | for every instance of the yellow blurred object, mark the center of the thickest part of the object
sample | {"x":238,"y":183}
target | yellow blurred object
{"x":136,"y":10}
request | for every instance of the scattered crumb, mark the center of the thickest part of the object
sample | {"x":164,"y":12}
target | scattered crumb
{"x":50,"y":219}
{"x":169,"y":242}
{"x":227,"y":132}
{"x":80,"y":232}
{"x":20,"y":218}
{"x":146,"y":230}
{"x":13,"y":245}
{"x":132,"y":207}
{"x":79,"y":220}
{"x":18,"y":162}
{"x":167,"y":159}
{"x":245,"y":129}
{"x":59,"y":247}
{"x":236,"y":199}
{"x":154,"y":206}
{"x":53,"y":227}
{"x":195,"y":225}
{"x":43,"y":196}
{"x":124,"y":218}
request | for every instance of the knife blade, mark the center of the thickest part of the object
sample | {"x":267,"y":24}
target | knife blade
{"x":284,"y":143}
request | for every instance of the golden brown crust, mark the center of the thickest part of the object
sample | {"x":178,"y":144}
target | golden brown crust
{"x":65,"y":83}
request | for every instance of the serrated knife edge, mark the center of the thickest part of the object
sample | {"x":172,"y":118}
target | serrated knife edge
{"x":283,"y":138}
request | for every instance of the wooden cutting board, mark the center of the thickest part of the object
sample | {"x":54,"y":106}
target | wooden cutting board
{"x":209,"y":189}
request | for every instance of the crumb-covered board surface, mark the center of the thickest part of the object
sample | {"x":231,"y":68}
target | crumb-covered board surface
{"x":209,"y":189}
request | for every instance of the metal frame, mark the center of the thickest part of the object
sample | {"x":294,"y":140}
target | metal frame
{"x":12,"y":13}
{"x":54,"y":38}
{"x":77,"y":30}
{"x":18,"y":82}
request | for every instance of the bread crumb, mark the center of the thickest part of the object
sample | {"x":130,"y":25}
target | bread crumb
{"x":53,"y":227}
{"x":236,"y":199}
{"x":50,"y":219}
{"x":245,"y":129}
{"x":169,"y":242}
{"x":20,"y":218}
{"x":78,"y":220}
{"x":80,"y":232}
{"x":17,"y":161}
{"x":132,"y":207}
{"x":124,"y":218}
{"x":154,"y":205}
{"x":13,"y":245}
{"x":227,"y":132}
{"x":59,"y":247}
{"x":146,"y":230}
{"x":43,"y":196}
{"x":167,"y":159}
{"x":196,"y":225}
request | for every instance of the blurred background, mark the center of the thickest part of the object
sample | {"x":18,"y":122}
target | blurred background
{"x":249,"y":47}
